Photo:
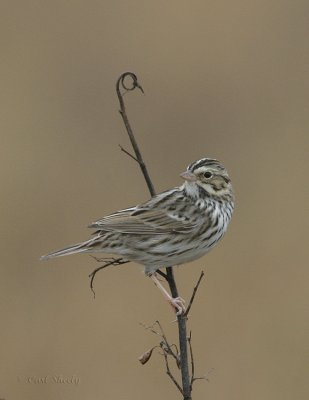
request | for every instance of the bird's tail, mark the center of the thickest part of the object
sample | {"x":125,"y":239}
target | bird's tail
{"x":74,"y":249}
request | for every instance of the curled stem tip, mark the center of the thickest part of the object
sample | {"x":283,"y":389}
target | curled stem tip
{"x":122,"y":81}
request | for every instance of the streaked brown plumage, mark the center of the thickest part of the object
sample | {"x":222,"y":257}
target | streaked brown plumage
{"x":172,"y":228}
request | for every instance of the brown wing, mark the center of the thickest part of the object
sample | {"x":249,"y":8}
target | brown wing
{"x":142,"y":221}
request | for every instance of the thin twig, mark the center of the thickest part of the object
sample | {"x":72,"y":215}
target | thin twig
{"x":204,"y":377}
{"x":107,"y":263}
{"x":168,"y":347}
{"x":168,"y":372}
{"x":195,"y":378}
{"x":128,"y":153}
{"x":194,"y":293}
{"x":135,"y":84}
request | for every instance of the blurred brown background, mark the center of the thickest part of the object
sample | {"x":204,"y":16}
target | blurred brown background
{"x":222,"y":79}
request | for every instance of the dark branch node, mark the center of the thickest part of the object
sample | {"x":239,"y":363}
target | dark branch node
{"x":128,"y":153}
{"x":162,"y":274}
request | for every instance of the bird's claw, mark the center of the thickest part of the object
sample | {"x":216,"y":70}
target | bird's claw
{"x":179,"y":305}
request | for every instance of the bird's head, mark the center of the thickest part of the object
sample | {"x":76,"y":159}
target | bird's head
{"x":207,"y":176}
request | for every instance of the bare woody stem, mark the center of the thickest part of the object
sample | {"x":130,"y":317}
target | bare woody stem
{"x":169,"y":276}
{"x":182,"y":334}
{"x":135,"y":84}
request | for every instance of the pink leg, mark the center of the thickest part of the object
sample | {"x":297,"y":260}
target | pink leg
{"x":177,"y":303}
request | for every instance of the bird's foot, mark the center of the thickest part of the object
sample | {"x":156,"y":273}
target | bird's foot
{"x":178,"y":304}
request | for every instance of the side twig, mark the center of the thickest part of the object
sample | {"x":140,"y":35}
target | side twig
{"x":107,"y":262}
{"x":168,"y":372}
{"x":167,"y":350}
{"x":167,"y":347}
{"x":194,"y":293}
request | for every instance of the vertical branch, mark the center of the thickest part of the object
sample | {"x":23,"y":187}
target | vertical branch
{"x":181,"y":319}
{"x":184,"y":363}
{"x":182,"y":334}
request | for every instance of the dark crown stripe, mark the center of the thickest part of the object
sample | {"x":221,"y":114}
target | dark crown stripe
{"x":203,"y":162}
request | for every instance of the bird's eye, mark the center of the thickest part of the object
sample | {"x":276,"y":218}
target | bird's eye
{"x":207,"y":174}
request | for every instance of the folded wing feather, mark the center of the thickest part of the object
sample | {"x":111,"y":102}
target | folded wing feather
{"x":143,"y":221}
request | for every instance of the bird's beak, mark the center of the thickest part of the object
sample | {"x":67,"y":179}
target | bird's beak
{"x":188,"y":176}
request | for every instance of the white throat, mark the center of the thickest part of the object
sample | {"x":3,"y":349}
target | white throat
{"x":191,"y":188}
